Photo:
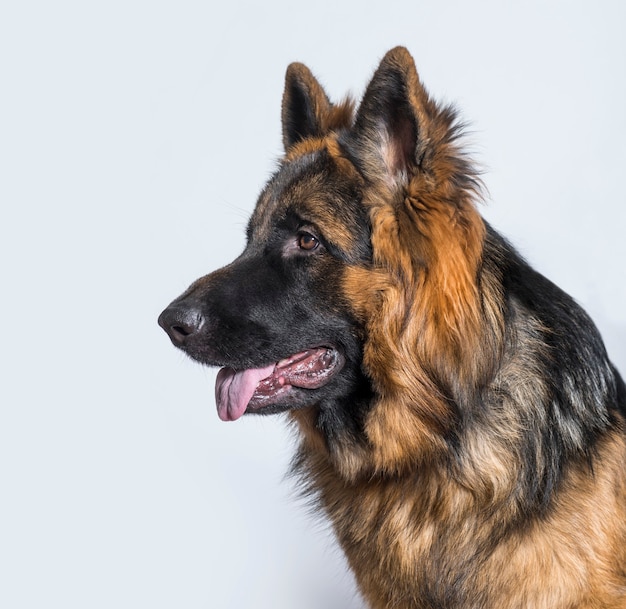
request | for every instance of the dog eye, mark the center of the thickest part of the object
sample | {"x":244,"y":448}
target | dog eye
{"x":308,"y":242}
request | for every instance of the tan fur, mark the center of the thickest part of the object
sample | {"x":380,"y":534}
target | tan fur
{"x":392,"y":535}
{"x":461,"y":424}
{"x":400,"y":514}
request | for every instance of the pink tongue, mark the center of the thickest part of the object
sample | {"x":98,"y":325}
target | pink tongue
{"x":234,"y":388}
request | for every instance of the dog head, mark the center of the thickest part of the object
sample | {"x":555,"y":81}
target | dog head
{"x":355,"y":303}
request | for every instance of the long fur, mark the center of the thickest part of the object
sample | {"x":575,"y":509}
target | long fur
{"x":472,"y":452}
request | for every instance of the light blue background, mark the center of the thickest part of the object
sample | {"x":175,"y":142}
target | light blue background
{"x":134,"y":138}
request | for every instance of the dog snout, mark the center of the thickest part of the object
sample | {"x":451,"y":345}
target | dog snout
{"x":181,"y":323}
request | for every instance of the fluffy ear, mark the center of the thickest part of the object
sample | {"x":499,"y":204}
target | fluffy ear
{"x":391,"y":123}
{"x":305,"y":106}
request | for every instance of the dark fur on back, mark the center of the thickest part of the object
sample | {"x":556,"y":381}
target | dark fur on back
{"x":461,"y":424}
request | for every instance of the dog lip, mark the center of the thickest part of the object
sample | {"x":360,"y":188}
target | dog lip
{"x":306,"y":370}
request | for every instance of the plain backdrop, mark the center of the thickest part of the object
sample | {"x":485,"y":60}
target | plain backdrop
{"x":134,"y":138}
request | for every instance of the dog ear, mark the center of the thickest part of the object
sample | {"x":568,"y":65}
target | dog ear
{"x":305,"y":106}
{"x":391,"y":123}
{"x":429,"y":234}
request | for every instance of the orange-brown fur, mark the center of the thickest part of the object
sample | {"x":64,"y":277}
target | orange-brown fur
{"x":461,"y":424}
{"x":403,"y":511}
{"x":434,"y":534}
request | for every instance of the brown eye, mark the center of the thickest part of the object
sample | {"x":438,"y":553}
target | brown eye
{"x":307,"y":242}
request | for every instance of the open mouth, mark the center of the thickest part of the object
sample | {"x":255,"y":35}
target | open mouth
{"x":238,"y":391}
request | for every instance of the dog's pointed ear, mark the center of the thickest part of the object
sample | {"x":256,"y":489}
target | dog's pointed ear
{"x":391,"y":127}
{"x":305,"y":106}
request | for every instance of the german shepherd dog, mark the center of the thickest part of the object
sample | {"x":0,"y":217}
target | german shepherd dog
{"x":460,"y":422}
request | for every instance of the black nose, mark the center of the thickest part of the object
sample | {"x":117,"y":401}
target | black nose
{"x":181,"y":323}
